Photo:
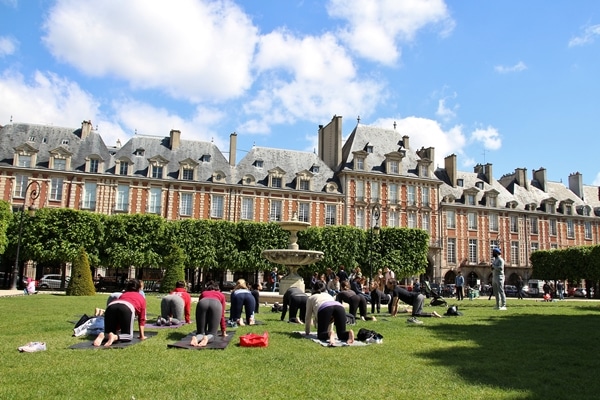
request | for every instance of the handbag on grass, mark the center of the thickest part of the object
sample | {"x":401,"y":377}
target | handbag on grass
{"x":254,"y":340}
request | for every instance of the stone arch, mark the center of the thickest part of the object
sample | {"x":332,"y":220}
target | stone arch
{"x":471,"y":279}
{"x":449,"y":277}
{"x":512,"y":279}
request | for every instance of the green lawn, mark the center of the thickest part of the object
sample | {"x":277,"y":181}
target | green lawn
{"x":534,"y":350}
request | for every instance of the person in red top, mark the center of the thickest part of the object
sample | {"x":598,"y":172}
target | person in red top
{"x":120,"y":315}
{"x":181,"y":291}
{"x":210,"y":313}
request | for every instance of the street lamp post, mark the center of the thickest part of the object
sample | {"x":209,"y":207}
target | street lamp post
{"x":375,"y":214}
{"x":35,"y":193}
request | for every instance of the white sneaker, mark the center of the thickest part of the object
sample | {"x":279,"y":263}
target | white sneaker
{"x":503,"y":308}
{"x":32,"y":347}
{"x":413,"y":320}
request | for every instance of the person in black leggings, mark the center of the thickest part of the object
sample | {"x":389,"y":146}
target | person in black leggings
{"x":357,"y":302}
{"x":325,"y":310}
{"x":210,"y":314}
{"x":295,"y":299}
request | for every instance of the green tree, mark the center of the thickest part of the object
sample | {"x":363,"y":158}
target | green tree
{"x":81,"y":283}
{"x":174,"y":269}
{"x":5,"y":219}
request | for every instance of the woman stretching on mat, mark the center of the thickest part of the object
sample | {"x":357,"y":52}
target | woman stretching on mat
{"x":210,"y":313}
{"x":120,"y":315}
{"x":241,"y":297}
{"x":325,"y":309}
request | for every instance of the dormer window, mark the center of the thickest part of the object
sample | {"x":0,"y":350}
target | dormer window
{"x":187,"y":174}
{"x":24,"y":161}
{"x":369,"y":149}
{"x":218,"y":177}
{"x":93,"y":166}
{"x":492,"y":201}
{"x":65,"y":142}
{"x":470,"y":199}
{"x":248,"y":180}
{"x":60,"y":164}
{"x":568,"y":209}
{"x":187,"y":169}
{"x":424,"y":170}
{"x":25,"y":156}
{"x":360,"y":164}
{"x":60,"y":159}
{"x":315,"y":169}
{"x":31,"y":139}
{"x":156,"y":167}
{"x":394,"y":167}
{"x":205,"y":158}
{"x":479,"y":185}
{"x":123,"y":168}
{"x":276,"y":181}
{"x":139,"y":152}
{"x":460,"y":182}
{"x":157,"y":171}
{"x":276,"y":177}
{"x":303,"y":180}
{"x":259,"y":164}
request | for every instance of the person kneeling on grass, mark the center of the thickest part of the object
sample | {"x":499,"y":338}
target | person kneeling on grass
{"x":325,"y":309}
{"x":295,"y":299}
{"x":119,"y":316}
{"x":210,"y":313}
{"x":413,"y":299}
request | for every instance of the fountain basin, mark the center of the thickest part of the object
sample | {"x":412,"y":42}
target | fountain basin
{"x":291,"y":257}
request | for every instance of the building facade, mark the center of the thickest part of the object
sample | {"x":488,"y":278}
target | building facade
{"x":374,"y":177}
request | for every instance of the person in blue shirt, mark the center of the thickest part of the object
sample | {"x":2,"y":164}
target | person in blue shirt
{"x":460,"y":282}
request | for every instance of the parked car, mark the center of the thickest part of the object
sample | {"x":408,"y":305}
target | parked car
{"x":510,"y":290}
{"x":51,"y":281}
{"x":227,"y":286}
{"x":579,"y":292}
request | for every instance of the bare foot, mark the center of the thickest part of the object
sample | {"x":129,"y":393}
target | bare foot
{"x":373,"y":319}
{"x":194,"y":341}
{"x":435,"y":314}
{"x":203,"y":342}
{"x":363,"y":318}
{"x":111,"y":339}
{"x":252,"y":322}
{"x":331,"y":339}
{"x":241,"y":322}
{"x":350,"y":337}
{"x":99,"y":339}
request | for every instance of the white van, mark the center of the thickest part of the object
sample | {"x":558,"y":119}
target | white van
{"x":535,"y":287}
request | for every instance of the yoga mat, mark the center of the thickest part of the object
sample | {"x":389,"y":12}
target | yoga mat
{"x":153,"y":326}
{"x":89,"y":344}
{"x":338,"y":343}
{"x":219,"y":342}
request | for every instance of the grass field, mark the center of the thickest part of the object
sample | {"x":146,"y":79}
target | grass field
{"x":534,"y":350}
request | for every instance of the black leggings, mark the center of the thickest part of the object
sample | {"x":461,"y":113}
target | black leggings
{"x":358,"y":302}
{"x":119,"y":314}
{"x":208,"y":316}
{"x":337,"y":313}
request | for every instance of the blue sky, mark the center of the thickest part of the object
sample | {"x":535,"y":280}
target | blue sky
{"x":513,"y":83}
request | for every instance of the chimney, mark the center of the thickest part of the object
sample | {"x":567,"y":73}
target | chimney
{"x":175,"y":138}
{"x":450,"y":165}
{"x":86,"y":128}
{"x":487,"y":171}
{"x":232,"y":148}
{"x":540,"y":177}
{"x":330,"y":142}
{"x":405,"y":140}
{"x":521,"y":177}
{"x":576,"y":184}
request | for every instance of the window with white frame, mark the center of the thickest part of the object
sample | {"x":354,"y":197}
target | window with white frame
{"x":360,"y":218}
{"x":425,"y":196}
{"x":275,"y":211}
{"x":424,"y":170}
{"x":187,"y":174}
{"x":276,"y":181}
{"x":514,"y":224}
{"x":552,"y":227}
{"x":472,"y":220}
{"x":393,"y":220}
{"x":360,"y":190}
{"x":56,"y":189}
{"x":89,"y":196}
{"x":330,"y":214}
{"x":411,"y":195}
{"x":473,"y":251}
{"x":247,"y":208}
{"x":553,"y":246}
{"x":492,"y":201}
{"x":412,"y":219}
{"x":514,"y":252}
{"x":493,"y":219}
{"x":534,"y":225}
{"x":570,"y":229}
{"x":394,"y":167}
{"x":155,"y":203}
{"x":304,"y":184}
{"x":60,"y":164}
{"x":425,"y":221}
{"x":535,"y":246}
{"x":568,"y":209}
{"x":588,"y":229}
{"x":24,"y":160}
{"x":216,"y":206}
{"x":393,"y":188}
{"x":94,"y":165}
{"x":374,"y":192}
{"x":304,"y":212}
{"x":360,"y":163}
{"x":185,"y":204}
{"x":123,"y":168}
{"x":471,"y":199}
{"x":450,"y":219}
{"x":20,"y":186}
{"x":157,"y":171}
{"x":122,"y":203}
{"x":451,"y":250}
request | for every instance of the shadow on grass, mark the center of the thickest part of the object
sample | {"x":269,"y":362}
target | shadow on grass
{"x":548,"y":356}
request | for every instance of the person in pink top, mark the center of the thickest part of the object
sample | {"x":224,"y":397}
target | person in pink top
{"x":120,"y":315}
{"x":182,"y":292}
{"x":210,"y":313}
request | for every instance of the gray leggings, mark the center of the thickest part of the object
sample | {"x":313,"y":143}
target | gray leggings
{"x":171,"y":306}
{"x":208,"y":317}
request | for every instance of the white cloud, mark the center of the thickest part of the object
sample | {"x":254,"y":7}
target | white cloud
{"x":8,"y":46}
{"x":189,"y":49}
{"x":307,"y":78}
{"x":377,"y":27}
{"x":47,"y":99}
{"x":490,"y":138}
{"x":518,"y":67}
{"x":444,"y":111}
{"x":425,"y":132}
{"x":587,"y":37}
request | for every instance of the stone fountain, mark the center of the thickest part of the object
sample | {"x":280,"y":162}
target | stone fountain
{"x":292,"y":257}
